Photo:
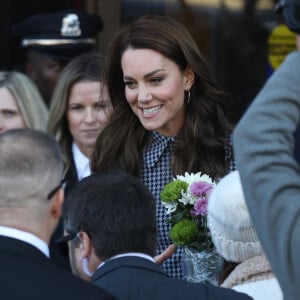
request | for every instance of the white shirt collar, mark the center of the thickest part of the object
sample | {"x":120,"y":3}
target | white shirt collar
{"x":25,"y":237}
{"x":82,"y":163}
{"x":136,"y":254}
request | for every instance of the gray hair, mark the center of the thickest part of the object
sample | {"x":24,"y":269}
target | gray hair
{"x":31,"y":166}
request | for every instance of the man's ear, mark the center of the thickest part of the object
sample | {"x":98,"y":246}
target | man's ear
{"x":56,"y":203}
{"x":86,"y":244}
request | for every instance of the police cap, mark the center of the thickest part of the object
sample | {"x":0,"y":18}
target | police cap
{"x":63,"y":34}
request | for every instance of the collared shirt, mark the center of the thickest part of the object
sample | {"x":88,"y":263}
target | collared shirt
{"x":136,"y":254}
{"x":26,"y":237}
{"x":82,"y":163}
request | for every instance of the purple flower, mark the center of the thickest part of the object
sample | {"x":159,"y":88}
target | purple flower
{"x":200,"y":207}
{"x":200,"y":188}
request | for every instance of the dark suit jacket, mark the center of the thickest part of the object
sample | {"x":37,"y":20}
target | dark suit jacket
{"x":59,"y":252}
{"x":138,"y":278}
{"x":26,"y":273}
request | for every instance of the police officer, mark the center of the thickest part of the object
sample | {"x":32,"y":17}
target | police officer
{"x":52,"y":40}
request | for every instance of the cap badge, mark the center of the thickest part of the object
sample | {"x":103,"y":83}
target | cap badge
{"x":70,"y":26}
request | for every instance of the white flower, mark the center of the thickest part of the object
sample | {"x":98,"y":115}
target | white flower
{"x":187,"y":198}
{"x":190,"y":178}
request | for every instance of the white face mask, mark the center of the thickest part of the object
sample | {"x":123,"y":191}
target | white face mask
{"x":85,"y":268}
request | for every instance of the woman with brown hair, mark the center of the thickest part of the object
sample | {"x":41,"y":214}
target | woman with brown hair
{"x":80,"y":109}
{"x":169,"y":116}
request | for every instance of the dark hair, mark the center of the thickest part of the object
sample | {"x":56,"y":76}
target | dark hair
{"x":116,"y":210}
{"x":201,"y":142}
{"x":86,"y":67}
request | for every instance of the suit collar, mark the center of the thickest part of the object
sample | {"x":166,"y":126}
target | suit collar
{"x":82,"y":163}
{"x":26,"y":237}
{"x":126,"y":262}
{"x":20,"y":248}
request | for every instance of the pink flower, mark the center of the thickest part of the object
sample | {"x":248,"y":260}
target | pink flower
{"x":200,"y":188}
{"x":200,"y":207}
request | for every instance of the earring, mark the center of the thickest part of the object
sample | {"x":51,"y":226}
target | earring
{"x":85,"y":268}
{"x":188,"y":98}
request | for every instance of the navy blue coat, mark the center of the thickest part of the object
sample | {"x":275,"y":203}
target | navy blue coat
{"x":138,"y":278}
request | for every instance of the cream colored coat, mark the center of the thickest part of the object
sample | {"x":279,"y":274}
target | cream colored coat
{"x":255,"y":278}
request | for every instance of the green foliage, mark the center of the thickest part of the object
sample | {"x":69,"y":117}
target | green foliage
{"x":172,"y":191}
{"x":185,"y":200}
{"x":184,"y":232}
{"x":182,"y":212}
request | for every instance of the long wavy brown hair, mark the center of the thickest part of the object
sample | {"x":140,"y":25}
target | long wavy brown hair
{"x":201,"y":142}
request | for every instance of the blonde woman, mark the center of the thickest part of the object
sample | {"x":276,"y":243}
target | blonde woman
{"x":21,"y":105}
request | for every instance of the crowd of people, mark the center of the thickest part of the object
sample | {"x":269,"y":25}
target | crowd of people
{"x":82,"y":169}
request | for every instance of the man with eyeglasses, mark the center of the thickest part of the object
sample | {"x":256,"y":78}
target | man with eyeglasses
{"x":110,"y":227}
{"x":31,"y":171}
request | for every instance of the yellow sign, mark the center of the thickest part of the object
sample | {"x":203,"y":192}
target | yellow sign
{"x":280,"y":43}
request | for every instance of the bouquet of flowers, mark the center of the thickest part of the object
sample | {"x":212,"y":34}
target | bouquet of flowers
{"x":186,"y":198}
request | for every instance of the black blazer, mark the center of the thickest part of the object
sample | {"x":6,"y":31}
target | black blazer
{"x":138,"y":278}
{"x":26,"y":273}
{"x":59,"y":252}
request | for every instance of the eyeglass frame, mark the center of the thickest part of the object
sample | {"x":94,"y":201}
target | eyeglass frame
{"x":69,"y":237}
{"x":61,"y":185}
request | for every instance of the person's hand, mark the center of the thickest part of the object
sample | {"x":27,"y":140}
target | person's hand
{"x":159,"y":259}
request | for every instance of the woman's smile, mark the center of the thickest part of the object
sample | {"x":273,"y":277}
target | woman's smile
{"x":154,"y":89}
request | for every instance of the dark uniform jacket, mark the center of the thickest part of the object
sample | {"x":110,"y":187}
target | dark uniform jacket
{"x":26,"y":273}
